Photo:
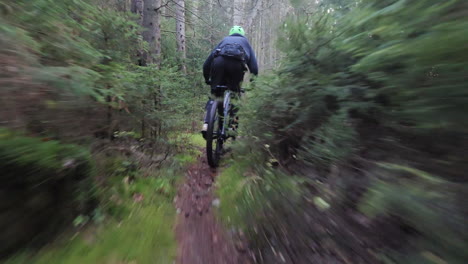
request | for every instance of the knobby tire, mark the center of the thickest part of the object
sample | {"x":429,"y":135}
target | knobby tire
{"x":213,"y":143}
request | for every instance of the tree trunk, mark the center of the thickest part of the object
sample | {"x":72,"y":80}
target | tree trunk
{"x":137,"y":8}
{"x":152,"y":33}
{"x":252,"y":15}
{"x":180,"y":32}
{"x":238,"y":6}
{"x":212,"y":36}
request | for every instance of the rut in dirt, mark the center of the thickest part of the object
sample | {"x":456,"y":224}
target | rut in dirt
{"x":200,"y":237}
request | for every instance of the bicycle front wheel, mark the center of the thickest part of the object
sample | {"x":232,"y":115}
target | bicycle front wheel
{"x":214,"y":140}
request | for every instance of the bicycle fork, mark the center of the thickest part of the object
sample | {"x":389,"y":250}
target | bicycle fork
{"x":226,"y":105}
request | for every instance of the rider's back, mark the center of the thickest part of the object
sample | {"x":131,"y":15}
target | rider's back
{"x":250,"y":58}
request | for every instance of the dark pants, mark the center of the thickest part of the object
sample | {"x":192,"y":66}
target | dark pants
{"x":225,"y":71}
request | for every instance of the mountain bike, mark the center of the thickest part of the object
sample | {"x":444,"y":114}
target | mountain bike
{"x":220,"y":123}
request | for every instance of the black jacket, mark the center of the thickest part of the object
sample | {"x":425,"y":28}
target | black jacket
{"x":250,"y":59}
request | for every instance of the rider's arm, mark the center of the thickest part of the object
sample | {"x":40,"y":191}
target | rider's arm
{"x":208,"y":63}
{"x":207,"y":67}
{"x":253,"y":66}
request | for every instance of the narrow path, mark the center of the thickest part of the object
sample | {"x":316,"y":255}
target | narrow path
{"x":201,"y":239}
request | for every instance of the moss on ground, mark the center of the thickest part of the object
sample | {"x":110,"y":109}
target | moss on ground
{"x":192,"y":145}
{"x":187,"y":140}
{"x":45,"y":185}
{"x":144,"y":235}
{"x":134,"y":222}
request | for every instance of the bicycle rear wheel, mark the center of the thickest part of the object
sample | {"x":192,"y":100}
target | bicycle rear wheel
{"x":214,"y":140}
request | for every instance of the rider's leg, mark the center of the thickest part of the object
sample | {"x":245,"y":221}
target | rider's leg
{"x":217,"y":77}
{"x":235,"y":117}
{"x":207,"y":109}
{"x":218,"y":72}
{"x":235,"y":71}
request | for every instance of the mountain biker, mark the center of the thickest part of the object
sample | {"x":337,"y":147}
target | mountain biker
{"x":227,"y":64}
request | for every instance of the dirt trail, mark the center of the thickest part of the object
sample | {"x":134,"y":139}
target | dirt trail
{"x":200,"y":237}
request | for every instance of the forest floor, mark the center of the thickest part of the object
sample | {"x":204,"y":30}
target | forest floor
{"x":201,"y":238}
{"x":179,"y":224}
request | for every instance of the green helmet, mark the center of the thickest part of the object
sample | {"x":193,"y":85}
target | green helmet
{"x":237,"y":30}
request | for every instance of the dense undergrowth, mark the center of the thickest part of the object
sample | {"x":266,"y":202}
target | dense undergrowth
{"x":45,"y":185}
{"x":133,"y":230}
{"x":77,"y":61}
{"x":89,"y":159}
{"x":355,"y":148}
{"x":123,"y":210}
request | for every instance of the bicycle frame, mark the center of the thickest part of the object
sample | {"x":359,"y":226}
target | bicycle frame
{"x":226,"y":115}
{"x":219,"y":92}
{"x":218,"y":127}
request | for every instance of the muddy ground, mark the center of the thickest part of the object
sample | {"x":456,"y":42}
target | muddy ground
{"x":201,"y":238}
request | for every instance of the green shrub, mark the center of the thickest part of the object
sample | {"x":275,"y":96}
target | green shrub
{"x":424,"y":202}
{"x":245,"y":196}
{"x":45,"y":185}
{"x":377,"y":82}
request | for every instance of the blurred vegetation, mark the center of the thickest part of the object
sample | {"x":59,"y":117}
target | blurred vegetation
{"x":114,"y":209}
{"x":368,"y":108}
{"x":137,"y":230}
{"x":89,"y":148}
{"x":244,"y":193}
{"x":78,"y":60}
{"x":44,"y":186}
{"x":352,"y":151}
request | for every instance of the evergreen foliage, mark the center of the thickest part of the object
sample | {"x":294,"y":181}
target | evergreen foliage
{"x":81,"y":51}
{"x":50,"y":184}
{"x":70,"y":73}
{"x":378,"y":82}
{"x":353,"y":148}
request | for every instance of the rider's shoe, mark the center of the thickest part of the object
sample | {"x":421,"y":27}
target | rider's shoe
{"x":232,"y":132}
{"x":204,"y":129}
